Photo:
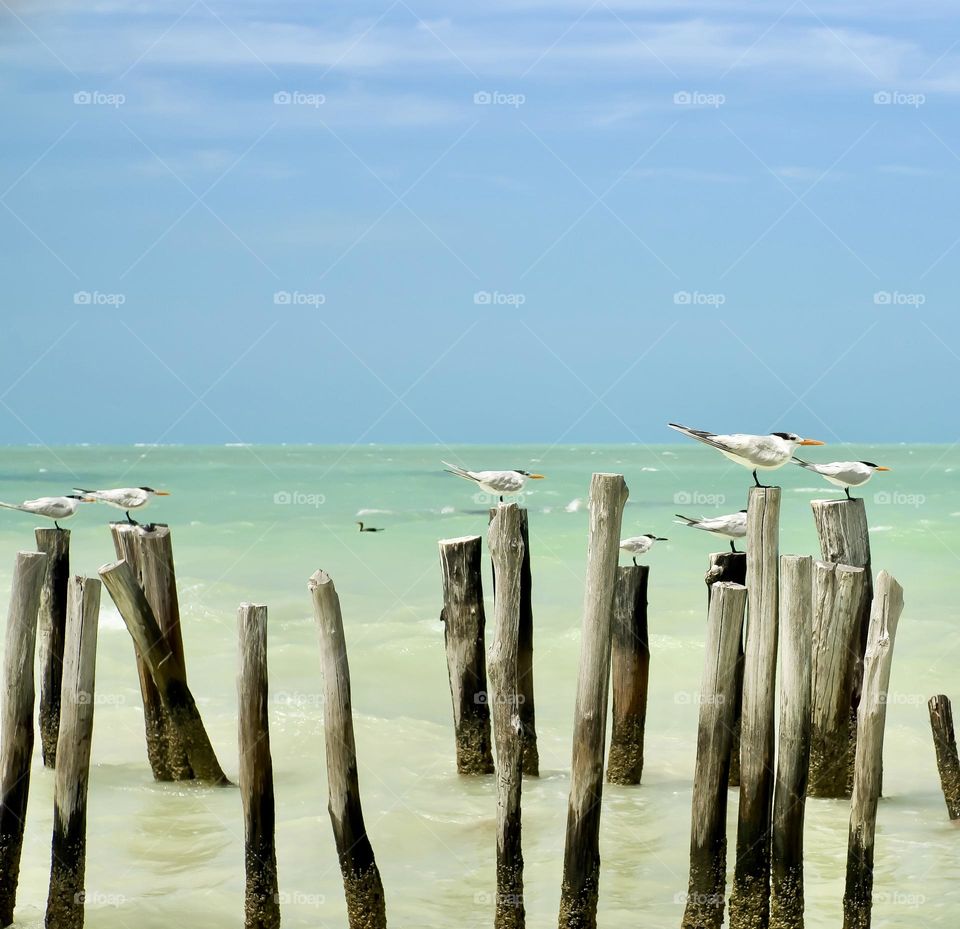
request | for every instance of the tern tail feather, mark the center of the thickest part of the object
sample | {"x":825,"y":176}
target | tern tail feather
{"x":460,"y":472}
{"x":801,"y":462}
{"x":686,"y":519}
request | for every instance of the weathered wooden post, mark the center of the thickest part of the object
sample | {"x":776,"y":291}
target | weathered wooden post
{"x":261,"y":902}
{"x":527,"y":708}
{"x":845,"y":539}
{"x":750,"y":898}
{"x":630,"y":675}
{"x":168,"y":674}
{"x":581,"y":855}
{"x":708,"y":840}
{"x":837,"y":596}
{"x":945,"y":745}
{"x":363,"y":889}
{"x":126,"y":543}
{"x":158,"y":579}
{"x":69,"y":847}
{"x":51,"y":629}
{"x":463,"y":635}
{"x":16,"y":720}
{"x":793,"y":756}
{"x":505,"y":540}
{"x":871,"y":719}
{"x":732,"y":568}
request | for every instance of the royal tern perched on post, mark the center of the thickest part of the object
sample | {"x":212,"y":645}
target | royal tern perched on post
{"x":54,"y":508}
{"x":732,"y":526}
{"x":845,"y":474}
{"x":125,"y":498}
{"x":496,"y":483}
{"x":639,"y":544}
{"x":756,"y":452}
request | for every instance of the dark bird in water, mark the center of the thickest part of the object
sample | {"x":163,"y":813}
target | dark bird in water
{"x":364,"y":528}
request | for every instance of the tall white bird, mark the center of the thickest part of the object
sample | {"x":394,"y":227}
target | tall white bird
{"x":732,"y":526}
{"x":55,"y":508}
{"x":845,"y":474}
{"x":125,"y":498}
{"x":639,"y":544}
{"x":756,"y":452}
{"x":496,"y":483}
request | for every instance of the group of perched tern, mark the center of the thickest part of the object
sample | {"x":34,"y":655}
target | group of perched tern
{"x":755,"y":452}
{"x":773,"y":451}
{"x":57,"y":508}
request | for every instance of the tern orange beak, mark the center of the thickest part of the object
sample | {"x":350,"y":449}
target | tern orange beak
{"x":811,"y":442}
{"x":882,"y":469}
{"x":537,"y":477}
{"x":162,"y":493}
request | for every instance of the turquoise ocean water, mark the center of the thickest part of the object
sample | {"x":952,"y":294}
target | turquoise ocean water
{"x":252,"y":523}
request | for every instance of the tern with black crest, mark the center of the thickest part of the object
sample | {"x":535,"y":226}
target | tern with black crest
{"x":755,"y":452}
{"x":55,"y":508}
{"x":845,"y":474}
{"x":495,"y":483}
{"x":639,"y":544}
{"x":731,"y":526}
{"x":125,"y":498}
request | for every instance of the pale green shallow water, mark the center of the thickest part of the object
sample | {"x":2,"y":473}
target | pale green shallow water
{"x":172,"y":855}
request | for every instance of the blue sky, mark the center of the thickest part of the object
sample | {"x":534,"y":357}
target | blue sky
{"x":422,"y":222}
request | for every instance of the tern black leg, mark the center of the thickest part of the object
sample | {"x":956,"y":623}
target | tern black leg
{"x":634,"y":560}
{"x":130,"y":520}
{"x":847,"y":491}
{"x":733,"y":547}
{"x":756,"y":480}
{"x":56,"y":525}
{"x":501,"y":498}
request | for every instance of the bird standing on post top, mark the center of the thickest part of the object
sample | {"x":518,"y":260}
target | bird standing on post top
{"x":126,"y":498}
{"x":496,"y":483}
{"x":640,"y":544}
{"x":845,"y":474}
{"x":756,"y":452}
{"x":55,"y":508}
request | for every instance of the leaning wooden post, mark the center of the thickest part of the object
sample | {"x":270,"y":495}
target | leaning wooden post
{"x":366,"y":908}
{"x":837,"y":595}
{"x":167,"y":672}
{"x":793,"y":755}
{"x":156,"y":729}
{"x":51,"y":629}
{"x":527,"y":708}
{"x":581,"y":855}
{"x":945,"y":745}
{"x":845,"y":539}
{"x":750,"y":898}
{"x":463,"y":635}
{"x":261,"y":903}
{"x":732,"y":568}
{"x":630,"y":674}
{"x":708,"y":839}
{"x":871,"y":719}
{"x":505,"y":539}
{"x":68,"y":855}
{"x":16,"y":720}
{"x":158,"y":579}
